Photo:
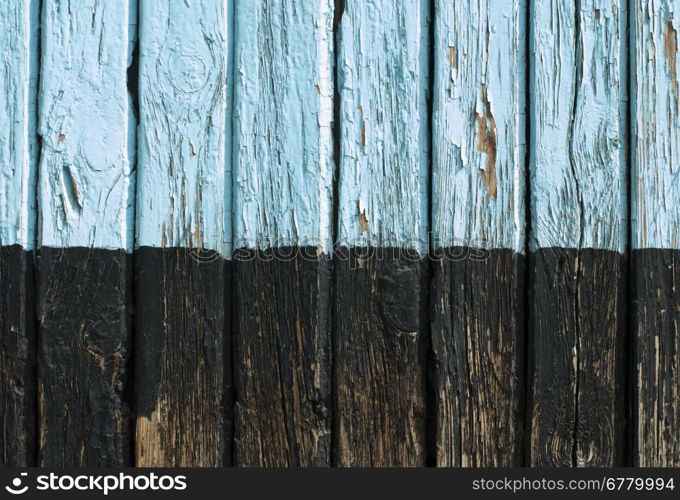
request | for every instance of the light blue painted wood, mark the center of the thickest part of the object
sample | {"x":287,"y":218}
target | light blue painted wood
{"x":655,"y":116}
{"x":578,"y":87}
{"x":182,"y":183}
{"x":283,"y":109}
{"x":86,"y":181}
{"x":383,"y":79}
{"x":478,"y":124}
{"x":18,"y":139}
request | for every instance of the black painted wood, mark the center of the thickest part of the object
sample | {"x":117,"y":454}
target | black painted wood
{"x":182,"y":369}
{"x":478,"y":338}
{"x":282,"y":358}
{"x":84,"y":318}
{"x":577,"y":358}
{"x":17,"y":358}
{"x":656,"y":330}
{"x":380,"y":345}
{"x":577,"y":373}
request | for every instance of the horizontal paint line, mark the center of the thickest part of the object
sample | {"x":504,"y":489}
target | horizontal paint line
{"x":443,"y":251}
{"x":310,"y":252}
{"x":322,"y":246}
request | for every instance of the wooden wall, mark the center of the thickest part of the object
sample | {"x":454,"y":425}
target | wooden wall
{"x":292,"y":233}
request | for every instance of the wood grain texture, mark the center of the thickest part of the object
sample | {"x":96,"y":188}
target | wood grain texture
{"x":478,"y":338}
{"x":478,"y":124}
{"x":18,"y":141}
{"x":182,"y":359}
{"x":283,"y":353}
{"x":283,"y":105}
{"x":183,"y":234}
{"x":478,"y":173}
{"x":655,"y":116}
{"x":85,"y":191}
{"x":282,"y":204}
{"x":84,"y":352}
{"x":578,"y":140}
{"x":383,"y":74}
{"x":578,"y":208}
{"x":184,"y":181}
{"x":18,"y":157}
{"x":656,"y":326}
{"x":17,"y":358}
{"x":577,"y":358}
{"x":380,"y":348}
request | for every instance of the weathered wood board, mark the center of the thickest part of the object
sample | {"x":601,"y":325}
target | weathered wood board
{"x":85,"y":197}
{"x":85,"y":191}
{"x":578,"y":222}
{"x":655,"y":202}
{"x":83,"y":358}
{"x":380,"y":348}
{"x":183,"y":235}
{"x":283,"y":188}
{"x":283,"y":358}
{"x":380,"y":336}
{"x":18,"y":149}
{"x":478,"y":218}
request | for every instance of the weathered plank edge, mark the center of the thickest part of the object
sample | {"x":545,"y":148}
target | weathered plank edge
{"x":18,"y":446}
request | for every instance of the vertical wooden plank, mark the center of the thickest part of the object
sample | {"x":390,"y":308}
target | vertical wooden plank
{"x":183,"y":235}
{"x":379,"y":294}
{"x":282,"y":226}
{"x":655,"y":228}
{"x":578,"y":208}
{"x":478,"y":218}
{"x":18,"y":155}
{"x":85,"y":233}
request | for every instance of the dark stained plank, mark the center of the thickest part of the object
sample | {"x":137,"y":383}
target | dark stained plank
{"x":182,"y":369}
{"x":579,"y":355}
{"x":478,"y":339}
{"x":656,"y":326}
{"x":17,"y":358}
{"x":478,"y":223}
{"x":380,"y":346}
{"x":282,"y":377}
{"x":85,"y":346}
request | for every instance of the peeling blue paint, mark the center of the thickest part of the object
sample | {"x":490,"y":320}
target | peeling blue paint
{"x":283,"y":149}
{"x":479,"y":127}
{"x":578,"y":167}
{"x":18,"y":139}
{"x":655,"y":112}
{"x":86,"y":174}
{"x":183,"y":184}
{"x":383,"y":79}
{"x":275,"y":167}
